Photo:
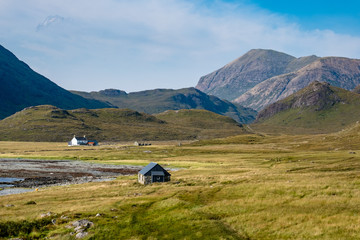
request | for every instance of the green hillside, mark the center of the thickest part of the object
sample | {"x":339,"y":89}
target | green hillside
{"x":49,"y":123}
{"x":21,"y":87}
{"x":160,"y":100}
{"x":318,"y":108}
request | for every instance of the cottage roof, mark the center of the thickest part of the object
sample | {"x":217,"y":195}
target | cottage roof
{"x":150,"y":166}
{"x":80,"y":138}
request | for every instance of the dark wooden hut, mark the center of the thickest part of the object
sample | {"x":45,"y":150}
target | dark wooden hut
{"x":153,"y":172}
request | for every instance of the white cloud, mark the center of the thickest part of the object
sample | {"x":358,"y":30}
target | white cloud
{"x":154,"y":43}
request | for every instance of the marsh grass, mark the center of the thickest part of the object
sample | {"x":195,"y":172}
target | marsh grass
{"x":246,"y":187}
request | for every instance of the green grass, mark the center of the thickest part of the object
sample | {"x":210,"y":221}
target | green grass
{"x":243,"y":187}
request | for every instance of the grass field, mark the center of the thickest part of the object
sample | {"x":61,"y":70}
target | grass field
{"x":244,"y":187}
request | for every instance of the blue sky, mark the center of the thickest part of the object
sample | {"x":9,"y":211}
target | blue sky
{"x":135,"y":45}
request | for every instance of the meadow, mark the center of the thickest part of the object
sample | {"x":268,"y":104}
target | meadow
{"x":243,"y":187}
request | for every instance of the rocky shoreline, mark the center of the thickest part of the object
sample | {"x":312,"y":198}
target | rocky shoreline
{"x":35,"y":173}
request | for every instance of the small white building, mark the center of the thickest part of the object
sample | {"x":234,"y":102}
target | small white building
{"x":76,"y":141}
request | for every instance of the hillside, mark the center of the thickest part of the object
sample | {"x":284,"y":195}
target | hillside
{"x":257,"y":65}
{"x":49,"y":123}
{"x":21,"y":87}
{"x":160,"y":100}
{"x":318,"y":108}
{"x":340,"y":72}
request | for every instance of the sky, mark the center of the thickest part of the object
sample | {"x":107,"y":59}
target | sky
{"x":134,"y":45}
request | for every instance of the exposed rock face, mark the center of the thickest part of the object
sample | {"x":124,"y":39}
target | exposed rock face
{"x":340,"y":72}
{"x":235,"y":78}
{"x":318,"y":95}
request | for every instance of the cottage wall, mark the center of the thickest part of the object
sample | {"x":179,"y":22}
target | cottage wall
{"x":74,"y":141}
{"x":144,"y":179}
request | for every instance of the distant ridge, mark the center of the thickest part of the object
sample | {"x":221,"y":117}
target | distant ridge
{"x":317,"y":108}
{"x":160,"y":100}
{"x":21,"y":87}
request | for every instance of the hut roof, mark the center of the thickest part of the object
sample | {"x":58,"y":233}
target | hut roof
{"x":150,"y":166}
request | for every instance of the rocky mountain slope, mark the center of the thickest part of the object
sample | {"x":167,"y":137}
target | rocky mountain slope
{"x":318,"y":108}
{"x":22,"y":87}
{"x":340,"y":72}
{"x":160,"y":100}
{"x":49,"y":123}
{"x":257,"y":65}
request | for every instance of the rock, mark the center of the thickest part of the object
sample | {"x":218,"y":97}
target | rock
{"x":83,"y":223}
{"x":98,"y":215}
{"x":79,"y":229}
{"x":9,"y":205}
{"x":48,"y":214}
{"x":81,"y":235}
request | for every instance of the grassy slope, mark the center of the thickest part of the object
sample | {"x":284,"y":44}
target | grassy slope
{"x":310,"y":120}
{"x":48,"y":123}
{"x":244,"y":187}
{"x":160,"y":100}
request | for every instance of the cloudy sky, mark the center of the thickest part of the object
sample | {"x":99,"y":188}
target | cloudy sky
{"x":135,"y":45}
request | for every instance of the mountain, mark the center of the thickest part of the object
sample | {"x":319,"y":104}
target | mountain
{"x":242,"y":74}
{"x":21,"y":87}
{"x":49,"y":123}
{"x":317,"y":108}
{"x":338,"y":71}
{"x":160,"y":100}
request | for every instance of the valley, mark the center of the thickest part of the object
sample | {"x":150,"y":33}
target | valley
{"x":242,"y":187}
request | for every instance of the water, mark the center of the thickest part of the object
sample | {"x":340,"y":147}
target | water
{"x":10,"y":180}
{"x":5,"y":182}
{"x":6,"y":188}
{"x":9,"y":191}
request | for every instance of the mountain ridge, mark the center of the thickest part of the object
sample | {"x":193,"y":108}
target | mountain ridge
{"x":338,"y":71}
{"x":160,"y":100}
{"x":245,"y":72}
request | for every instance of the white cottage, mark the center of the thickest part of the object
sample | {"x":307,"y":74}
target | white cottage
{"x":78,"y":141}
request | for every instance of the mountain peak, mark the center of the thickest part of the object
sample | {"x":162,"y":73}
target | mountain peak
{"x":240,"y":75}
